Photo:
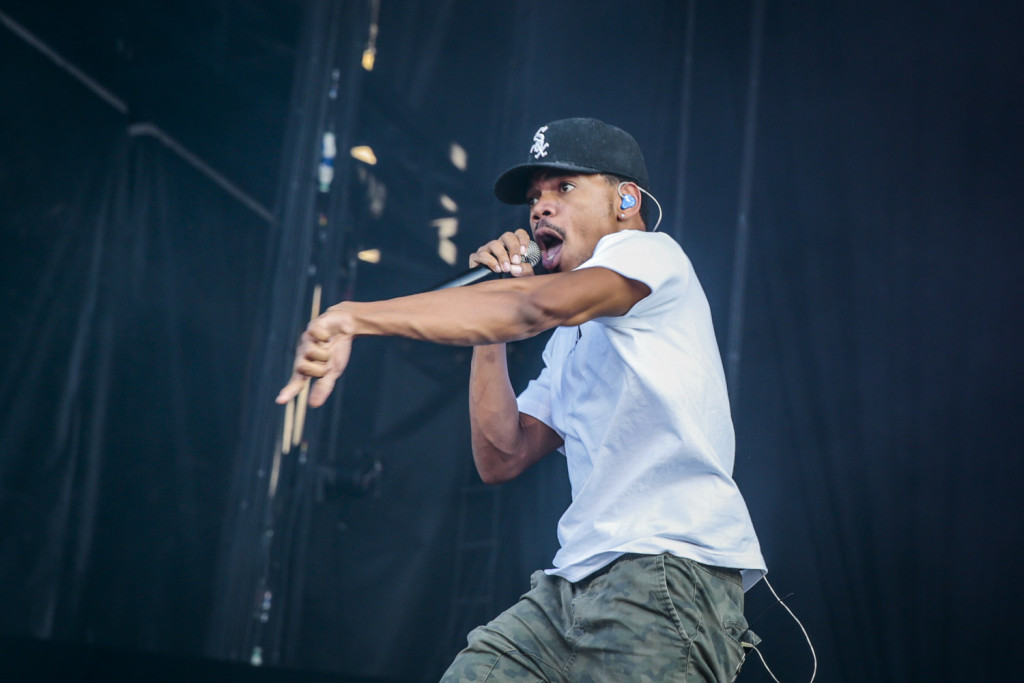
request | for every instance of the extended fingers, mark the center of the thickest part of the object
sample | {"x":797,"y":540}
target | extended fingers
{"x":311,"y":358}
{"x":322,"y":388}
{"x":292,"y":389}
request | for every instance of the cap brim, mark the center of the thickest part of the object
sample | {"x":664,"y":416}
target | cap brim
{"x":511,"y":186}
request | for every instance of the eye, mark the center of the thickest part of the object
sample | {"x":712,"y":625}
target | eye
{"x":530,"y":201}
{"x":566,"y":187}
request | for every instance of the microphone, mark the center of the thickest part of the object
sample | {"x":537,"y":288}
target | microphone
{"x":483,"y":272}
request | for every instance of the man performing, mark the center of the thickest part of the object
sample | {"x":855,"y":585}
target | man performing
{"x":657,"y":546}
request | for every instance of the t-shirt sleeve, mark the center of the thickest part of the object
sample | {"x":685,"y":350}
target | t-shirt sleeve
{"x":535,"y":399}
{"x":654,"y":259}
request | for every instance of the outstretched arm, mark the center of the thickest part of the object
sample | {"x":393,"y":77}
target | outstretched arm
{"x":485,"y":313}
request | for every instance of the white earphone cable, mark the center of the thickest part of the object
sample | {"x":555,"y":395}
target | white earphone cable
{"x":660,"y":212}
{"x":814,"y":655}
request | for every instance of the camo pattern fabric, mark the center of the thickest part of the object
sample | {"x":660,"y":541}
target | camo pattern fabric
{"x":644,"y":618}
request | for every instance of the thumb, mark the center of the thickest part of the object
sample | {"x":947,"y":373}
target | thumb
{"x":322,"y":388}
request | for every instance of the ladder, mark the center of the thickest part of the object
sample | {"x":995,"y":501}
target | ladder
{"x":476,"y":553}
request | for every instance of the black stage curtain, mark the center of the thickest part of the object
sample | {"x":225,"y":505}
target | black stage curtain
{"x":129,"y":294}
{"x":880,"y":382}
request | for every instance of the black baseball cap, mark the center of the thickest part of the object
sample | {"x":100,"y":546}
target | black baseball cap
{"x":577,"y":146}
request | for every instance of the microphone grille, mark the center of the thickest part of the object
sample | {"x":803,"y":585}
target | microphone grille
{"x":532,"y":253}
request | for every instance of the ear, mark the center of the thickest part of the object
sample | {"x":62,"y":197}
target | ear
{"x":630,"y":200}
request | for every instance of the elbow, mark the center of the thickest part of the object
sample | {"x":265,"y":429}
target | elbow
{"x":495,"y":467}
{"x":493,"y":473}
{"x":493,"y":478}
{"x":535,"y":315}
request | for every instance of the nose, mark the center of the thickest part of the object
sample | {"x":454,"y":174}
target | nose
{"x":544,"y":207}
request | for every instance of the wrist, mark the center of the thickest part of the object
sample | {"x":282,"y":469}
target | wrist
{"x":342,"y":319}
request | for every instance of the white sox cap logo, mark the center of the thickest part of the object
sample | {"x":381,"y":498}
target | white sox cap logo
{"x":540,"y":145}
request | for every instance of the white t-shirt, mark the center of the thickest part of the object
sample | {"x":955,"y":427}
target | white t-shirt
{"x":641,"y":403}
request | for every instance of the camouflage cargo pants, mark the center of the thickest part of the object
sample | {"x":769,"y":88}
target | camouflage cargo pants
{"x":643,"y":618}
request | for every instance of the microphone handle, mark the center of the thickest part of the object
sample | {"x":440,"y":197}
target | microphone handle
{"x":467,"y":277}
{"x":479,"y":273}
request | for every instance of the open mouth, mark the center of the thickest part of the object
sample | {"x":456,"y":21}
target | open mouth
{"x":550,"y":242}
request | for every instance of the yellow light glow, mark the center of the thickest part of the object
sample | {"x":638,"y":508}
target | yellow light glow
{"x":369,"y":255}
{"x":447,"y":228}
{"x":364,"y":153}
{"x":448,"y":252}
{"x":458,"y":156}
{"x":369,"y":57}
{"x":448,"y":203}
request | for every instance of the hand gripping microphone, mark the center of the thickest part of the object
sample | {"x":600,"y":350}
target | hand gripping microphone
{"x":479,"y":273}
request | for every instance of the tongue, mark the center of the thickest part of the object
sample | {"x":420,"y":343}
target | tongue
{"x":551,"y":255}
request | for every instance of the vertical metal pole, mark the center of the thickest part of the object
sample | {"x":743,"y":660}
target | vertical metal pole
{"x":740,"y":254}
{"x":684,"y":139}
{"x":265,"y":535}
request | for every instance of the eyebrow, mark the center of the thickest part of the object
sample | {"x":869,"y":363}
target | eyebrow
{"x":548,"y":175}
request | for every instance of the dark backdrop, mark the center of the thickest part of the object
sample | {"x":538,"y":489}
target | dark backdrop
{"x":872,"y":317}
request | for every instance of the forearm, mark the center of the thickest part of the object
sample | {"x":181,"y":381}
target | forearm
{"x":493,"y":414}
{"x":486,"y":313}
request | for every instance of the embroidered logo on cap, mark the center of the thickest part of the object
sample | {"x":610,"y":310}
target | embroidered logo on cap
{"x":540,"y":145}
